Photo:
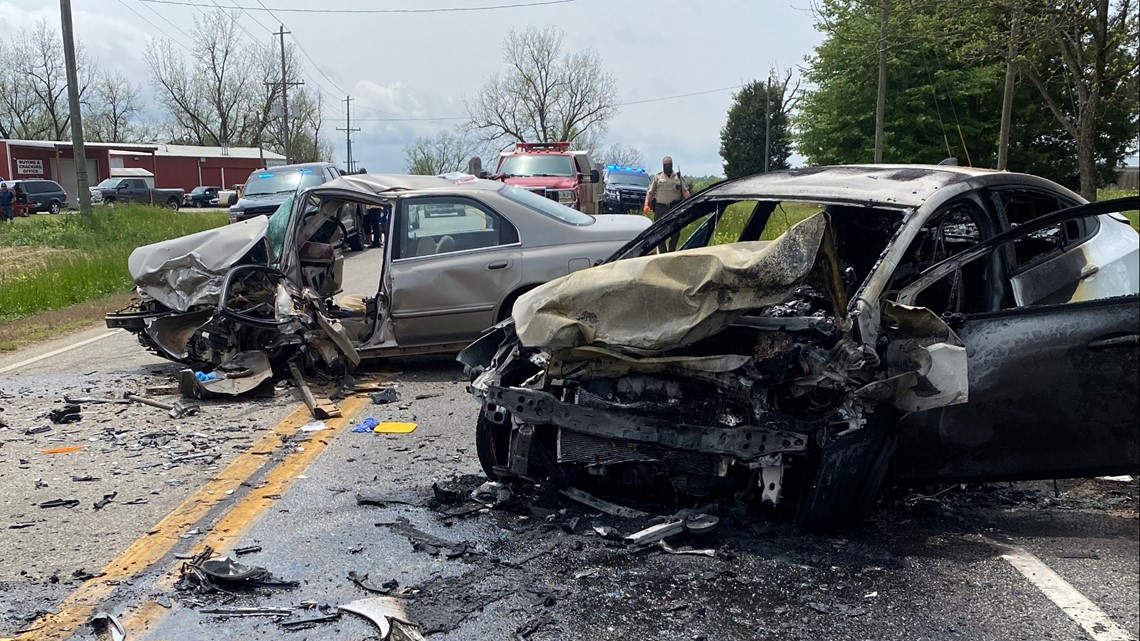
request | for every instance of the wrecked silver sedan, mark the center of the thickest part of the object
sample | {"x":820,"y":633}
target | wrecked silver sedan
{"x":459,"y":252}
{"x":918,"y":324}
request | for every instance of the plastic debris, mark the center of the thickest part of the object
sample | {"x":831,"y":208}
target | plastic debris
{"x":492,"y":494}
{"x":67,"y":414}
{"x":107,"y":498}
{"x":368,"y":424}
{"x":385,"y":396}
{"x":206,"y":376}
{"x":389,"y":615}
{"x":107,"y":627}
{"x":67,"y":503}
{"x":314,"y":426}
{"x":613,"y":509}
{"x":62,"y":450}
{"x":395,"y":427}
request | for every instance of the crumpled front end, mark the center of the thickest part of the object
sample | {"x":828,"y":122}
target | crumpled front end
{"x":722,"y":369}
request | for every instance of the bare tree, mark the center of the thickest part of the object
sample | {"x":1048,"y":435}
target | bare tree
{"x":113,"y":110}
{"x":544,"y":94}
{"x":33,"y":103}
{"x":1097,"y":42}
{"x":624,"y":155}
{"x":448,"y":150}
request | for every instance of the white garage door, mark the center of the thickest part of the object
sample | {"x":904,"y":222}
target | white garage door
{"x":65,"y":175}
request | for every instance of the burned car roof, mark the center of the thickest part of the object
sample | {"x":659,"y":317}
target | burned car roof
{"x":891,"y":185}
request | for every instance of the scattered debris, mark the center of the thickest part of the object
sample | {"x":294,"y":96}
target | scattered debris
{"x":107,"y":627}
{"x":367,"y":424}
{"x":532,"y":626}
{"x":492,"y":494}
{"x":395,"y":427}
{"x":314,"y":426}
{"x":389,"y":616}
{"x":671,"y":550}
{"x":107,"y":498}
{"x":424,"y":542}
{"x":176,"y":409}
{"x":613,"y":509}
{"x":361,"y":580}
{"x":296,"y":624}
{"x":204,"y":574}
{"x":385,"y":396}
{"x":84,"y":478}
{"x":69,"y":413}
{"x":321,"y":408}
{"x":248,"y":612}
{"x":67,"y":503}
{"x":62,"y":450}
{"x":250,"y":549}
{"x":32,"y":431}
{"x":19,"y":525}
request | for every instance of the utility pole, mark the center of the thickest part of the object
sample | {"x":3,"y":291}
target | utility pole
{"x":77,"y":150}
{"x":349,"y":164}
{"x":767,"y":123}
{"x":881,"y":98}
{"x":1007,"y":96}
{"x":285,"y":84}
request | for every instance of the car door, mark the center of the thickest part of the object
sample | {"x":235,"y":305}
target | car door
{"x":449,"y":274}
{"x":1052,"y":383}
{"x":136,"y":191}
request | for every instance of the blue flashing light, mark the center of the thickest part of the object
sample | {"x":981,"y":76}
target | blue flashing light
{"x":265,"y":175}
{"x":636,"y":170}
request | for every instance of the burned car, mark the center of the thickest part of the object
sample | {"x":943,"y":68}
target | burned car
{"x":274,"y":285}
{"x":918,"y":325}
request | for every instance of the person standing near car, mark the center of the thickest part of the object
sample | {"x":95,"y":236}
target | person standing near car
{"x":667,"y":188}
{"x":7,"y":198}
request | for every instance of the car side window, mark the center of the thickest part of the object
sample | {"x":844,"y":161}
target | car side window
{"x":950,"y":231}
{"x":446,"y":225}
{"x":1021,"y":206}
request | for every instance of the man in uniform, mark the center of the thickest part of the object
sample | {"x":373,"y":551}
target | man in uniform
{"x":666,"y":189}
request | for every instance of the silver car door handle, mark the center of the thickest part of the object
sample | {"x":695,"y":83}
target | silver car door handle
{"x":1088,"y":271}
{"x":1116,"y":341}
{"x":499,"y":264}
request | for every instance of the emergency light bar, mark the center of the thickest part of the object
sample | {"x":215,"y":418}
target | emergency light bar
{"x":532,"y":146}
{"x":636,"y":170}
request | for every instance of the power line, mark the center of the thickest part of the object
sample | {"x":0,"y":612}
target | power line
{"x":156,"y":27}
{"x":186,"y":3}
{"x":621,"y":104}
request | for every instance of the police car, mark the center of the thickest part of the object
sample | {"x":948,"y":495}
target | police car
{"x":625,"y":188}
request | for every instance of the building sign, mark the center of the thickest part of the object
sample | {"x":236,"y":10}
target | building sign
{"x":29,"y":166}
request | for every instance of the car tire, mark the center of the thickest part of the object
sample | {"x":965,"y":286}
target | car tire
{"x":109,"y":202}
{"x":848,"y":478}
{"x":492,"y":442}
{"x":54,"y":207}
{"x":172,"y":204}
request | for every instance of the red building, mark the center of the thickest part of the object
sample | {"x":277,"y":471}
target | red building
{"x":183,"y":166}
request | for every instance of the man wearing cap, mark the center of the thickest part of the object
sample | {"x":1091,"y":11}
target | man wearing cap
{"x":666,"y":189}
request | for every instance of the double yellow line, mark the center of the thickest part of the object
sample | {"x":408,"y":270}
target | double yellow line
{"x":76,"y":610}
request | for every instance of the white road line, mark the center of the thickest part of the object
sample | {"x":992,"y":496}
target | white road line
{"x":57,"y":352}
{"x":1079,"y":608}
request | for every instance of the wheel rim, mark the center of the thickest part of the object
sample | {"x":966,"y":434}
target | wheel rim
{"x":54,"y":208}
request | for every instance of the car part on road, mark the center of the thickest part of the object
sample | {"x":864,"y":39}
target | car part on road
{"x":68,"y":503}
{"x":321,"y":408}
{"x":69,"y":413}
{"x":62,"y":450}
{"x":664,"y":545}
{"x":248,"y":612}
{"x":389,"y":616}
{"x":613,"y":509}
{"x":107,"y":627}
{"x":385,"y":396}
{"x":395,"y":427}
{"x":107,"y":498}
{"x":175,"y":409}
{"x":296,"y":624}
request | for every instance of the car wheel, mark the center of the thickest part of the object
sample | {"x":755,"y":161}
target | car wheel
{"x":54,"y":207}
{"x":109,"y":202}
{"x":848,"y":478}
{"x":492,"y":443}
{"x":172,"y":204}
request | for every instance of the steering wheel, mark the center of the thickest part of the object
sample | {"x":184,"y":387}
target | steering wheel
{"x":339,"y":223}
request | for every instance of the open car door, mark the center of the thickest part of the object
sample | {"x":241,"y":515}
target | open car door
{"x":1053,"y":384}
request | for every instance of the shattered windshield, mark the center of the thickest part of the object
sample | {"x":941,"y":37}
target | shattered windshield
{"x":278,"y":225}
{"x":267,"y":182}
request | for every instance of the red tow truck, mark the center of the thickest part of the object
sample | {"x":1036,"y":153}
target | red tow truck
{"x":553,"y":170}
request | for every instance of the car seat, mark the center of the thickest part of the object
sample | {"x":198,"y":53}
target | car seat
{"x":446,"y":244}
{"x":426,"y":247}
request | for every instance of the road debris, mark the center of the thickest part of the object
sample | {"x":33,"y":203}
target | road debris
{"x":107,"y":498}
{"x":107,"y":627}
{"x":69,"y":413}
{"x":314,"y":426}
{"x":250,"y":549}
{"x":389,"y":616}
{"x":664,"y":545}
{"x":62,"y":450}
{"x":296,"y":624}
{"x":248,"y":612}
{"x":395,"y":427}
{"x":361,"y":580}
{"x":32,"y":431}
{"x":424,"y":542}
{"x":492,"y":494}
{"x":321,"y":408}
{"x":67,"y":503}
{"x":385,"y":396}
{"x":613,"y":509}
{"x":175,"y":410}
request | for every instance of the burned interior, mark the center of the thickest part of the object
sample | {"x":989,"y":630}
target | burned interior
{"x":754,"y":366}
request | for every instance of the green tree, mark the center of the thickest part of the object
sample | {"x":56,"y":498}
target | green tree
{"x":759,"y":111}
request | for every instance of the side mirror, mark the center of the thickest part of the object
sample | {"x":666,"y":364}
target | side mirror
{"x":595,"y":176}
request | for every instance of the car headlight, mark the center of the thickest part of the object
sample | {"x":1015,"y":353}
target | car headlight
{"x":567,"y":195}
{"x":612,"y":192}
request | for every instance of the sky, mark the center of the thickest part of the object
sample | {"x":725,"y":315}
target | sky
{"x":421,"y":66}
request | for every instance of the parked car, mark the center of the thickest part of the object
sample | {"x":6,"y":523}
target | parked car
{"x":227,"y":197}
{"x":268,"y":188}
{"x":919,"y":325}
{"x":42,"y":195}
{"x":136,"y":190}
{"x":201,"y":196}
{"x":96,"y":195}
{"x":440,"y":286}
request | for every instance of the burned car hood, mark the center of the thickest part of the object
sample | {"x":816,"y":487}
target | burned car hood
{"x":188,"y":271}
{"x":652,"y":304}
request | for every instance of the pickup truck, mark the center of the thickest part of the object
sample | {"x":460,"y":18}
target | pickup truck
{"x":135,"y":190}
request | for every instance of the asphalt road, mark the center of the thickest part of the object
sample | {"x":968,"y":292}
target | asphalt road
{"x":974,"y":563}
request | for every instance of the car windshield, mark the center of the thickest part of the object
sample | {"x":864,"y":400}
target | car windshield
{"x":199,"y":190}
{"x":546,"y":206}
{"x":285,"y":182}
{"x":639,"y":179}
{"x":109,"y":183}
{"x":537,"y":165}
